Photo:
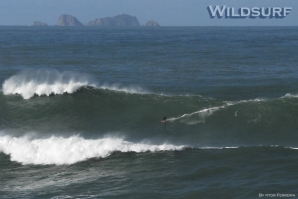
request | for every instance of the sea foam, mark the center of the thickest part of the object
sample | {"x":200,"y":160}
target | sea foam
{"x":30,"y":83}
{"x":48,"y":82}
{"x":201,"y":115}
{"x":60,"y":150}
{"x":289,"y":95}
{"x":125,"y":89}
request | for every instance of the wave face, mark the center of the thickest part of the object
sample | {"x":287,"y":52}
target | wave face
{"x":192,"y":120}
{"x":59,"y":150}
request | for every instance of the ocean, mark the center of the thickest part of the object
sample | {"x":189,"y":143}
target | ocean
{"x":80,"y":112}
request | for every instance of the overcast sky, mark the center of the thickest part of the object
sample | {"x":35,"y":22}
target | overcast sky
{"x":165,"y":12}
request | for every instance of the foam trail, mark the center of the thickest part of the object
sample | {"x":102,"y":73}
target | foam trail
{"x":201,"y":113}
{"x":27,"y":84}
{"x":59,"y":150}
{"x":128,"y":89}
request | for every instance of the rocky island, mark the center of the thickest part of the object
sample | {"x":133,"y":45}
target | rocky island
{"x":68,"y":20}
{"x":122,"y":20}
{"x":152,"y":23}
{"x":39,"y":23}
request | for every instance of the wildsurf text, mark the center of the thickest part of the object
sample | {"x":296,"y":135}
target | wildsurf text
{"x":245,"y":12}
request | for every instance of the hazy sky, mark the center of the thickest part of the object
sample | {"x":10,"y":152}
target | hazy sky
{"x":165,"y":12}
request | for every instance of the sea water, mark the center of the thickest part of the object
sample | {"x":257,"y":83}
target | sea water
{"x":80,"y":112}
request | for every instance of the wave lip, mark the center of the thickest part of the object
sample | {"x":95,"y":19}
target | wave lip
{"x":47,"y":82}
{"x":27,"y":84}
{"x":289,"y":95}
{"x":60,"y":151}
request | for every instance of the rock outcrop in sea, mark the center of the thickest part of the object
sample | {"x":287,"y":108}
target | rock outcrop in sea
{"x":39,"y":23}
{"x":68,"y":20}
{"x":151,"y":23}
{"x":122,"y":20}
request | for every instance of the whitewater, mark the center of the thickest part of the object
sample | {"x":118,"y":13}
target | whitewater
{"x":52,"y":82}
{"x":59,"y":150}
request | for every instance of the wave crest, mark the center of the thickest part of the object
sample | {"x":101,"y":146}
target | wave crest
{"x":27,"y":84}
{"x":289,"y":95}
{"x":127,"y":89}
{"x":48,"y":82}
{"x":59,"y":150}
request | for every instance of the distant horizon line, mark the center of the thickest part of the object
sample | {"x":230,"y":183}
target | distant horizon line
{"x":142,"y":26}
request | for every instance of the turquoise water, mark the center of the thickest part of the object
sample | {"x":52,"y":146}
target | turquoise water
{"x":81,"y":109}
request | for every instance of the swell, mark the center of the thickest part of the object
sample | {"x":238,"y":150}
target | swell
{"x":93,"y":112}
{"x":51,"y":82}
{"x":58,"y":150}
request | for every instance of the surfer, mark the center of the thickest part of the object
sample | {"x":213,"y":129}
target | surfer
{"x":164,"y":119}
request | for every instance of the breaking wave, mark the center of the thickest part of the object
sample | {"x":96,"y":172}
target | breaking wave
{"x":59,"y":150}
{"x":27,"y":84}
{"x":51,"y":82}
{"x":289,"y":95}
